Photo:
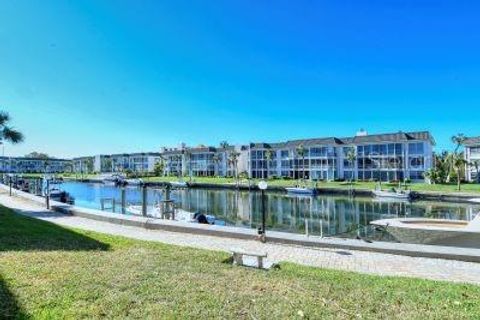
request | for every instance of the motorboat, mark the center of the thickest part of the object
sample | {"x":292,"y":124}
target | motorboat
{"x":475,"y":200}
{"x":393,"y":194}
{"x":61,"y":196}
{"x":134,"y":182}
{"x":457,"y":233}
{"x":178,"y":184}
{"x":114,"y":180}
{"x":302,"y":191}
{"x":180,"y":215}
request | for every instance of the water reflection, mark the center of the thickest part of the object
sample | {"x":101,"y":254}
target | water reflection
{"x":339,"y":216}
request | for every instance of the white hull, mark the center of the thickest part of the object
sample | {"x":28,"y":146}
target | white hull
{"x":302,"y":191}
{"x":455,"y":233}
{"x":178,"y":184}
{"x":391,"y":195}
{"x":475,"y":200}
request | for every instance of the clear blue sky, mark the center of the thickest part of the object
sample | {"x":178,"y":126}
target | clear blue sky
{"x":87,"y":77}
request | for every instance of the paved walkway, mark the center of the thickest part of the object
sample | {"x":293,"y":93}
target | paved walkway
{"x":349,"y":260}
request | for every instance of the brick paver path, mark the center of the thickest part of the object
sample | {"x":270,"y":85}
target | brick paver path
{"x":349,"y":260}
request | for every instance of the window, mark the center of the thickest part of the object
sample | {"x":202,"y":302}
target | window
{"x":415,"y":148}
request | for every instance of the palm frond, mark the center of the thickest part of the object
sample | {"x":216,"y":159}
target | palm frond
{"x":11,"y":135}
{"x":4,"y":118}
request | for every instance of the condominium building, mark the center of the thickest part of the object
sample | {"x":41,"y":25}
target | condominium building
{"x":205,"y":161}
{"x":391,"y":156}
{"x":136,"y":162}
{"x":34,"y":165}
{"x":472,"y":155}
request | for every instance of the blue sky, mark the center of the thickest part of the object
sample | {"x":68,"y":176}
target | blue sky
{"x":87,"y":77}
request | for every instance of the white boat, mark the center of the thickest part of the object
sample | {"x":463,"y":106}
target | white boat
{"x":394,"y":194}
{"x":179,"y":184}
{"x":301,"y":191}
{"x":180,"y":215}
{"x":134,"y":182}
{"x":475,"y":200}
{"x":59,"y":195}
{"x":457,"y":233}
{"x":113,"y":179}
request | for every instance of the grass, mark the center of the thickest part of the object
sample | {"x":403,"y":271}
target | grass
{"x":49,"y":272}
{"x":447,"y":188}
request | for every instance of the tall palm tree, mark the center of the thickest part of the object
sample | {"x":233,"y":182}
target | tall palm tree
{"x":268,"y":157}
{"x":351,"y":158}
{"x":188,"y":157}
{"x":458,"y":163}
{"x":233,"y":160}
{"x":216,"y":160}
{"x":301,"y":152}
{"x":458,"y":140}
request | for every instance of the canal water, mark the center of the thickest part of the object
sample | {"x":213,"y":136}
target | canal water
{"x":327,"y":215}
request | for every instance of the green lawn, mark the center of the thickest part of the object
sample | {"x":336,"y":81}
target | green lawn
{"x":49,"y":272}
{"x":448,"y":188}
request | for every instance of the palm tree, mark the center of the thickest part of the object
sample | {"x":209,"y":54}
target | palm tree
{"x":188,"y":158}
{"x":301,"y":152}
{"x":8,"y":133}
{"x":458,"y":163}
{"x":268,"y":157}
{"x":352,"y":157}
{"x":233,"y":160}
{"x":458,"y":140}
{"x":216,"y":160}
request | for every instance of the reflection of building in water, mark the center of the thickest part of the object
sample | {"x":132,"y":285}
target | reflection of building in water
{"x":327,"y":215}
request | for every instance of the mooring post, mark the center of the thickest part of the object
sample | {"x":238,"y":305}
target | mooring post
{"x":47,"y":196}
{"x":10,"y":185}
{"x":144,"y":200}
{"x":306,"y":227}
{"x":123,"y":199}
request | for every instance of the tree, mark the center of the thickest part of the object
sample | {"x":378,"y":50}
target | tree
{"x":7,"y":132}
{"x":458,"y":140}
{"x":216,"y":160}
{"x":268,"y":157}
{"x":233,"y":160}
{"x":38,"y":155}
{"x":458,"y":163}
{"x":351,"y":158}
{"x":431,"y":175}
{"x":159,"y":167}
{"x":301,"y":152}
{"x":188,"y":159}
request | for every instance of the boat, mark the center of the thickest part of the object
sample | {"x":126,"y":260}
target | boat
{"x":180,"y":215}
{"x":475,"y":200}
{"x":178,"y":184}
{"x":393,"y":194}
{"x":59,"y":195}
{"x":134,"y":182}
{"x":302,"y":191}
{"x":114,"y":180}
{"x":457,"y":233}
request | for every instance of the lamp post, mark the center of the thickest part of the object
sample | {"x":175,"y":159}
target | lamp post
{"x":262,"y":185}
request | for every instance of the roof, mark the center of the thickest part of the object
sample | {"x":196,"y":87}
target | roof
{"x":472,"y":141}
{"x":373,"y":138}
{"x":35,"y":159}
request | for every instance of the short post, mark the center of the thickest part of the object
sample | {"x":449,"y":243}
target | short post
{"x":306,"y":227}
{"x":47,"y":195}
{"x":321,"y":228}
{"x":10,"y":185}
{"x":144,"y":200}
{"x":123,"y":199}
